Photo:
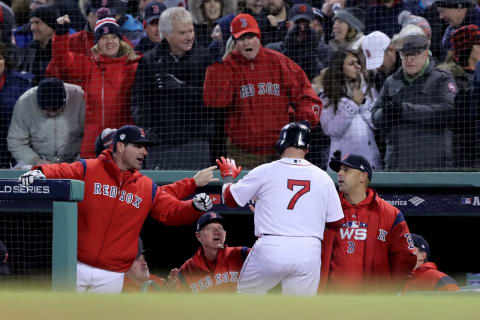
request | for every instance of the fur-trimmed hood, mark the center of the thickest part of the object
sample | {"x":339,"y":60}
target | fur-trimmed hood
{"x":229,"y":7}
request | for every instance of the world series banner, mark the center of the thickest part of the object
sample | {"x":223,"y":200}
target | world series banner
{"x":414,"y":202}
{"x":38,"y":196}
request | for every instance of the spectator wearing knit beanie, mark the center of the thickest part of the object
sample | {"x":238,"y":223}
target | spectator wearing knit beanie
{"x":43,"y":20}
{"x":466,"y":46}
{"x":406,"y":17}
{"x":348,"y":27}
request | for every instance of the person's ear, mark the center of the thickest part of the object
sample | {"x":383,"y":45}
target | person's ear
{"x":197,"y":235}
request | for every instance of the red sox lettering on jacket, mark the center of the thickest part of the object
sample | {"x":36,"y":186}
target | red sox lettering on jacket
{"x":115,"y":206}
{"x":263,"y":93}
{"x":199,"y":276}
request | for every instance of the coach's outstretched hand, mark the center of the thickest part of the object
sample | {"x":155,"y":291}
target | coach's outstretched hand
{"x":202,"y":202}
{"x":228,"y":167}
{"x":27,"y":178}
{"x":205,"y":176}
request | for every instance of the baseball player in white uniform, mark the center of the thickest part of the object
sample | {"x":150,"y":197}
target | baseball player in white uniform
{"x":294,"y":200}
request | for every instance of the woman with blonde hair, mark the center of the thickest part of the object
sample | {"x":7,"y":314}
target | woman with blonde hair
{"x":106,"y":77}
{"x":348,"y":100}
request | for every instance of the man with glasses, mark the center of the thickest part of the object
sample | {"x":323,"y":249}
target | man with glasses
{"x":413,"y":109}
{"x":215,"y":267}
{"x":47,"y":124}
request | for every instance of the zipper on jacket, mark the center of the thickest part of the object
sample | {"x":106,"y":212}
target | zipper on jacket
{"x":103,"y":97}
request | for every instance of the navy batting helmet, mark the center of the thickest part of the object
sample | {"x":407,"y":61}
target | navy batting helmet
{"x":294,"y":134}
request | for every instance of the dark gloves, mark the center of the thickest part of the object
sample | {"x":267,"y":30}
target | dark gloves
{"x":168,"y":81}
{"x":61,"y":29}
{"x":392,"y":111}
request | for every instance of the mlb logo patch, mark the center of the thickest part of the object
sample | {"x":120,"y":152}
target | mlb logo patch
{"x":142,"y":133}
{"x":466,"y":200}
{"x":367,"y":52}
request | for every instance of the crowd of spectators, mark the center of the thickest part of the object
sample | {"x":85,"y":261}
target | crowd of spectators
{"x":392,"y":80}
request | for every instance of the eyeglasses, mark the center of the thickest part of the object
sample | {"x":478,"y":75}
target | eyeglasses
{"x":411,"y":56}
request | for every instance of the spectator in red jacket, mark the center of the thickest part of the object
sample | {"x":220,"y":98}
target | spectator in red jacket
{"x":373,"y":250}
{"x":259,"y":86}
{"x":215,"y":267}
{"x":106,"y":77}
{"x":425,"y":276}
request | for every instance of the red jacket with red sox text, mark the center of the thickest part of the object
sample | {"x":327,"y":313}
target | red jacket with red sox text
{"x":260,"y":93}
{"x":197,"y":275}
{"x":389,"y":250}
{"x":427,"y":278}
{"x":115,"y":206}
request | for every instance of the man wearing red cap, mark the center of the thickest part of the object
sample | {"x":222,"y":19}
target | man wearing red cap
{"x":263,"y":89}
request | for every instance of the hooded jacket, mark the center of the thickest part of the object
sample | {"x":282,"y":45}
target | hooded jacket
{"x":197,"y":275}
{"x":427,"y":278}
{"x":107,"y":83}
{"x":115,"y":206}
{"x":259,"y":93}
{"x":204,"y":28}
{"x":389,"y":251}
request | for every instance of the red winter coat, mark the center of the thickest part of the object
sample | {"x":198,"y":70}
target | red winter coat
{"x":107,"y":83}
{"x":388,"y":257}
{"x":427,"y":278}
{"x":115,"y":205}
{"x":198,"y":276}
{"x":260,"y":93}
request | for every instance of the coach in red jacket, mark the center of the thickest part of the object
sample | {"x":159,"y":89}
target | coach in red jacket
{"x":260,"y":86}
{"x":425,"y":276}
{"x":373,"y":250}
{"x":215,"y":267}
{"x":116,"y":202}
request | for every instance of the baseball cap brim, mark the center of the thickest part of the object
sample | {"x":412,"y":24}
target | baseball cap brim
{"x":249,"y":30}
{"x":143,"y":141}
{"x":150,"y":19}
{"x":335,"y":165}
{"x":374,"y":62}
{"x":218,"y":220}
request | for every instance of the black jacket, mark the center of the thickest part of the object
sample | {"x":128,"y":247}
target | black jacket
{"x":167,"y":96}
{"x":415,"y":119}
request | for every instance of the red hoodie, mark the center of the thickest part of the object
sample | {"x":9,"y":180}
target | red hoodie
{"x":427,"y":278}
{"x":388,"y":253}
{"x":115,"y":205}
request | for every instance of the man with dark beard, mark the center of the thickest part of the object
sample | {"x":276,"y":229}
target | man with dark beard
{"x":301,"y":43}
{"x":276,"y":13}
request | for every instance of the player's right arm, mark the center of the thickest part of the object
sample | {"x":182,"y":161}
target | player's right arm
{"x":73,"y":170}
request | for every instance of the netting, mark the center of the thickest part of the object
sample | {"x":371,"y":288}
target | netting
{"x":27,"y":237}
{"x":406,"y":99}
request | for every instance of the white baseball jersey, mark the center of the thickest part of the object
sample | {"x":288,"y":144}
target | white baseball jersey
{"x":293,"y":198}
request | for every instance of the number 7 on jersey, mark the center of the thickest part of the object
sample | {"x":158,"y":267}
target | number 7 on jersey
{"x":302,"y":183}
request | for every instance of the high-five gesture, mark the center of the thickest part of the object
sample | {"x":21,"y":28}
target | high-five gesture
{"x":228,"y":167}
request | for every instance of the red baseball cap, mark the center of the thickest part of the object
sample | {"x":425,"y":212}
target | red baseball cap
{"x":244,"y":23}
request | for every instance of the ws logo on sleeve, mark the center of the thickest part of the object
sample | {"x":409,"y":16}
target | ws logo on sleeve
{"x":113,"y":191}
